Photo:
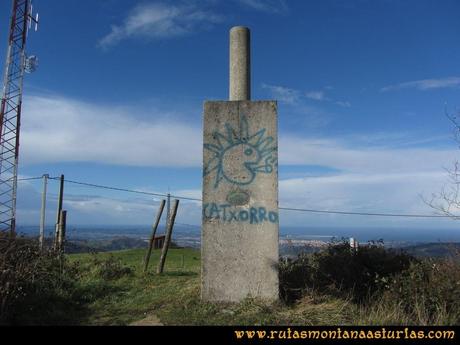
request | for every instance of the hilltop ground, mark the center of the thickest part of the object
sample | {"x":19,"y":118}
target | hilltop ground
{"x":371,"y":286}
{"x":121,"y":294}
{"x":173,"y":298}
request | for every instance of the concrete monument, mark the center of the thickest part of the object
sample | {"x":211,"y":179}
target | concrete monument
{"x":240,"y":188}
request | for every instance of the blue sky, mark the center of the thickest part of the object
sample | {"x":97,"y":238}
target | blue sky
{"x":362,"y":87}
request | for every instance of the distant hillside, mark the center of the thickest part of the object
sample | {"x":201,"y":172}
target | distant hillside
{"x":118,"y":243}
{"x":293,"y":248}
{"x":289,"y":248}
{"x":433,"y":249}
{"x":438,"y":249}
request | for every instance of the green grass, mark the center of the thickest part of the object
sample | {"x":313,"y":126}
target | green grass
{"x":174,"y":296}
{"x":335,"y":286}
{"x":178,"y":260}
{"x":134,"y":296}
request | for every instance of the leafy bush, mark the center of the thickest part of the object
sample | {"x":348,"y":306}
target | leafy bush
{"x":35,"y":286}
{"x":111,"y":268}
{"x":339,"y":271}
{"x":295,"y":276}
{"x":429,"y":289}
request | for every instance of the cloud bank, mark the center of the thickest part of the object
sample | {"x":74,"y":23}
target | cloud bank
{"x":57,"y":129}
{"x":425,"y":84}
{"x":269,"y":6}
{"x":159,"y":21}
{"x":367,"y":177}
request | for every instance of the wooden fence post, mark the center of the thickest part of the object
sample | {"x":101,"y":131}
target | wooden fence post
{"x":152,"y":238}
{"x":62,"y":228}
{"x":59,"y":209}
{"x":42,"y":212}
{"x":164,"y":251}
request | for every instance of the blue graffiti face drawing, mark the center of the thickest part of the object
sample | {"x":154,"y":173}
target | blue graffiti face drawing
{"x":238,"y":156}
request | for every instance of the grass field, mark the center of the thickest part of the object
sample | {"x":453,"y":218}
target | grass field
{"x":373,"y":286}
{"x":135,"y":296}
{"x":114,"y":290}
{"x":174,"y":296}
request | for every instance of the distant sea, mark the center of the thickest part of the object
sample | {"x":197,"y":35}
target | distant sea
{"x":187,"y":235}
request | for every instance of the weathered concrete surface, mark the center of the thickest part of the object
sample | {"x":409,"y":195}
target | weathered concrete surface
{"x":240,"y":64}
{"x":240,"y":201}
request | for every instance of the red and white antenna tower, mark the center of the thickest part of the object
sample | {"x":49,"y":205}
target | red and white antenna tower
{"x":17,"y":62}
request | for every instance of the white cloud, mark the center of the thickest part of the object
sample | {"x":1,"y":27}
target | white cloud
{"x":425,"y":84}
{"x":270,"y":6}
{"x":157,"y":20}
{"x":358,"y":192}
{"x":344,"y":104}
{"x":342,"y":156}
{"x":300,"y":113}
{"x":283,"y":94}
{"x":316,"y":95}
{"x":122,"y":209}
{"x":368,"y":176}
{"x":295,"y":97}
{"x":349,"y":191}
{"x":115,"y":207}
{"x":56,"y":129}
{"x":189,"y":193}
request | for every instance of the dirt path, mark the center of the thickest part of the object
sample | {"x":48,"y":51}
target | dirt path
{"x":150,"y":320}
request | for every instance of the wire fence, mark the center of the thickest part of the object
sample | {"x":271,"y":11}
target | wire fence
{"x":143,"y":207}
{"x":181,"y":197}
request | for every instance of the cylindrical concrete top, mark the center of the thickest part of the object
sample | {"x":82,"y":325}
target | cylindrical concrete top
{"x":240,"y":64}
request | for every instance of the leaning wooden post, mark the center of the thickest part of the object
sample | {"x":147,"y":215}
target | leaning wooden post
{"x":43,"y":211}
{"x":62,"y":229}
{"x":168,"y":209}
{"x":152,"y":238}
{"x":59,"y":209}
{"x":164,"y":251}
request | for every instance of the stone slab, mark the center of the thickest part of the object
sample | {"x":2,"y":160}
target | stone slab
{"x":239,"y":240}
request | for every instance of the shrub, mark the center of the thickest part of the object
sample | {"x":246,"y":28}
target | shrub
{"x":429,"y":291}
{"x":295,"y":277}
{"x":339,"y":271}
{"x":35,"y":286}
{"x":111,"y":268}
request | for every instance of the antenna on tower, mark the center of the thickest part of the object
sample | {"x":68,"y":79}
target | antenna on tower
{"x":31,"y":62}
{"x":31,"y":18}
